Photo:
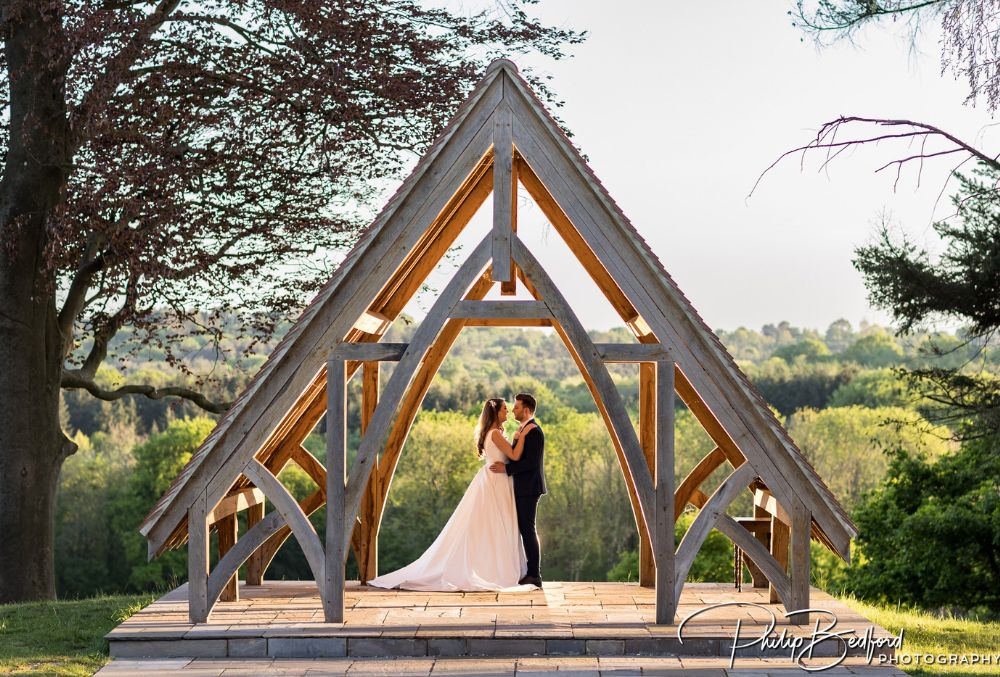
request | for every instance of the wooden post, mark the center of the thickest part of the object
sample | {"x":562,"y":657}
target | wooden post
{"x":367,"y":551}
{"x":255,"y":565}
{"x":663,"y":531}
{"x":779,"y":551}
{"x":509,"y":287}
{"x":799,"y":597}
{"x":503,"y":172}
{"x":227,"y":529}
{"x":198,"y":559}
{"x":336,"y":447}
{"x":763,"y":534}
{"x":647,"y":437}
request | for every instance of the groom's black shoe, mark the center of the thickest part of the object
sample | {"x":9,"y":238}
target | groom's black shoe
{"x":531,"y":580}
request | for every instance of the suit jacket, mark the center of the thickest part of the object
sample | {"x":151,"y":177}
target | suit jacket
{"x":529,"y":471}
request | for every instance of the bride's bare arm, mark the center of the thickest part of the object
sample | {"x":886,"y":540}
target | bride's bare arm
{"x":513,"y":453}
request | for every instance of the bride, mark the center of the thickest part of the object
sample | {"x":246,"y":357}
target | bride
{"x":480,"y":547}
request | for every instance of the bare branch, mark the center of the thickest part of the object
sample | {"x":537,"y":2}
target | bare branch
{"x":92,"y":261}
{"x":828,"y":18}
{"x":245,"y":33}
{"x":826,"y":139}
{"x":104,"y":333}
{"x":73,"y":379}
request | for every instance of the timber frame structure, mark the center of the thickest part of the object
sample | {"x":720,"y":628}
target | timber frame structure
{"x":500,"y":138}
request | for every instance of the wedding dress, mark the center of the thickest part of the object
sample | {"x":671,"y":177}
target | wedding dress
{"x":479,"y":548}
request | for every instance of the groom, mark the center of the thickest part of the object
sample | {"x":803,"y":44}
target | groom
{"x":529,"y":482}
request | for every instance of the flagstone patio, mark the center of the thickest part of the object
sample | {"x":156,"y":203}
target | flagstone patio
{"x":284,"y":619}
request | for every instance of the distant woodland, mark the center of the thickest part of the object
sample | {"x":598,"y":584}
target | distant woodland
{"x":838,"y":391}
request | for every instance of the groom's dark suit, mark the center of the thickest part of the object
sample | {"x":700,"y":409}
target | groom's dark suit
{"x":529,"y":485}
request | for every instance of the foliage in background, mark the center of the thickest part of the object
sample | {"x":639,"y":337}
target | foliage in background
{"x":586,"y":524}
{"x":849,"y":444}
{"x":930,"y":535}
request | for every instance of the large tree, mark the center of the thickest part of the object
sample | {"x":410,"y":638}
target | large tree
{"x":970,"y":44}
{"x":949,"y":505}
{"x":963,"y":284}
{"x":168,"y":161}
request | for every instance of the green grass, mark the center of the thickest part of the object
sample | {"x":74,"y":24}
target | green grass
{"x":62,"y":637}
{"x":925,"y":633}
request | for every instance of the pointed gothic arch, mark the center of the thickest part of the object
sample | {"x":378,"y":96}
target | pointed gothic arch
{"x":501,"y":137}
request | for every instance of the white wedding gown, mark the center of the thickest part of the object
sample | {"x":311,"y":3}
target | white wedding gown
{"x":479,"y":548}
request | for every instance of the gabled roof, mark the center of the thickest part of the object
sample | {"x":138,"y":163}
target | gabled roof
{"x":390,"y":244}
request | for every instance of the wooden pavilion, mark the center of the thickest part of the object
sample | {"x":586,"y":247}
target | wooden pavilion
{"x":501,"y":138}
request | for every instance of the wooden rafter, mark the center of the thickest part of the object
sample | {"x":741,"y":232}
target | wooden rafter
{"x":386,"y":411}
{"x":501,"y":137}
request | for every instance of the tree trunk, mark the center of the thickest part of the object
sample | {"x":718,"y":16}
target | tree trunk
{"x":32,"y":444}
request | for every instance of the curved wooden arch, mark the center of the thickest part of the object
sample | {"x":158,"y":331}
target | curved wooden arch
{"x":269,"y":548}
{"x":690,"y":489}
{"x":414,"y":397}
{"x":759,"y":555}
{"x":294,"y":517}
{"x":386,"y":410}
{"x":706,"y":520}
{"x":590,"y":363}
{"x":243,"y":549}
{"x":633,"y":498}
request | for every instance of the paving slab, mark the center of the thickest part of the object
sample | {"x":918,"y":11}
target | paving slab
{"x":564,"y":618}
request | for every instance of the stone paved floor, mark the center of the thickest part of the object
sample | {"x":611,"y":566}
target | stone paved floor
{"x":579,"y":666}
{"x":558,"y":611}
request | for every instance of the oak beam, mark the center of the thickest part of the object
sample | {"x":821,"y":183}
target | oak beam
{"x":799,"y":595}
{"x":255,"y":563}
{"x":372,"y":322}
{"x":509,"y":287}
{"x":227,"y":528}
{"x":507,"y":322}
{"x":571,"y":236}
{"x":631,"y":352}
{"x":528,"y":310}
{"x":690,"y":486}
{"x":242,"y":552}
{"x":369,"y":352}
{"x":234,"y":503}
{"x":402,"y":375}
{"x":759,"y":555}
{"x":579,"y":343}
{"x":707,"y":518}
{"x":780,"y":536}
{"x":332,"y":582}
{"x":647,"y":438}
{"x":765,"y":500}
{"x":663,"y":536}
{"x":293,"y":515}
{"x":366,"y":529}
{"x":198,"y":559}
{"x":503,"y":160}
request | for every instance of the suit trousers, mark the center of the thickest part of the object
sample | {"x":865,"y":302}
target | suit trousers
{"x":526,"y":508}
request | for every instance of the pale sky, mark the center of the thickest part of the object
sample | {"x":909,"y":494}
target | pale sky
{"x":680,"y":106}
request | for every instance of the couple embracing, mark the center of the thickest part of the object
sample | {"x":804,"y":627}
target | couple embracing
{"x":489,"y":542}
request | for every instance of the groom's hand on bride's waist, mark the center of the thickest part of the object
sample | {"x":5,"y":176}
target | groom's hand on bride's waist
{"x":498,"y":467}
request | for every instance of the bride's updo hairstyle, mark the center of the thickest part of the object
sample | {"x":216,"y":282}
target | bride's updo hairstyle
{"x":487,"y":421}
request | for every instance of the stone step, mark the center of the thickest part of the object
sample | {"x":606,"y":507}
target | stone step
{"x":578,"y":666}
{"x":299,"y":646}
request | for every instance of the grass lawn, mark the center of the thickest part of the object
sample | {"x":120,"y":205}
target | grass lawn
{"x":64,"y":637}
{"x":924,"y":633}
